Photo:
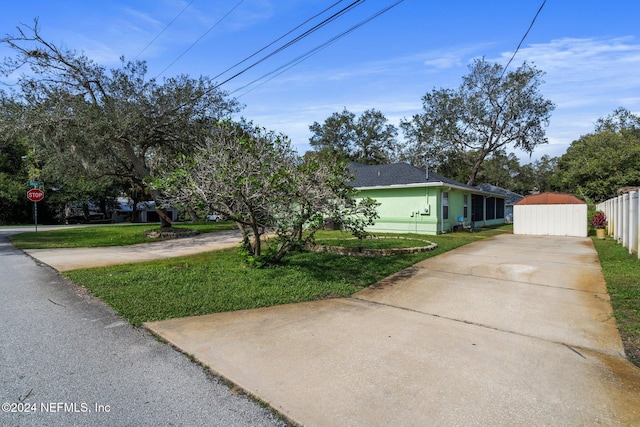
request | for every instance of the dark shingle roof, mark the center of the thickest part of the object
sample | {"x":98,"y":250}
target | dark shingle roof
{"x":396,"y":174}
{"x":511,"y":197}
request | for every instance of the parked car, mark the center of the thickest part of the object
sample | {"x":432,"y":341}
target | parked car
{"x":214,"y":217}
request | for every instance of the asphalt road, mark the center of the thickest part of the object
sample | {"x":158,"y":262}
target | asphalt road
{"x":66,"y":359}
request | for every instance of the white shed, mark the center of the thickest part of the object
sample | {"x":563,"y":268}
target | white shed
{"x":550,"y":214}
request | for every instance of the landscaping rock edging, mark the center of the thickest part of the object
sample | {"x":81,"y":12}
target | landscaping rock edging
{"x":170,"y":234}
{"x":359,"y":251}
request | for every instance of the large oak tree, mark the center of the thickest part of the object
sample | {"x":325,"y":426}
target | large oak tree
{"x":110,"y":121}
{"x":367,"y":139}
{"x":490,"y":111}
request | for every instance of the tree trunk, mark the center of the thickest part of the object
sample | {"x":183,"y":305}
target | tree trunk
{"x":192,"y":214}
{"x":281,"y":253}
{"x":257,"y":250}
{"x":474,"y":171}
{"x":165,"y":218}
{"x":143,"y":172}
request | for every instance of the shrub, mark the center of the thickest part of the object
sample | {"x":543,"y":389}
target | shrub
{"x":599,"y":220}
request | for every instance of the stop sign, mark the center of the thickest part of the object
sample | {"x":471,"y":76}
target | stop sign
{"x":35,"y":195}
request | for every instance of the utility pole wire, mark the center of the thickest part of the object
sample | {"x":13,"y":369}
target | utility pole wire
{"x":295,"y":40}
{"x":165,"y":29}
{"x":277,"y":40}
{"x":312,"y":52}
{"x":504,"y":70}
{"x":200,"y":38}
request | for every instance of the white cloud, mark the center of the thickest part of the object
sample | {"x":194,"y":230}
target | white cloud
{"x":446,"y":62}
{"x":589,"y":71}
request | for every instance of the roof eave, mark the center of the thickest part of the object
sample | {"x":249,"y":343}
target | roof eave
{"x":412,"y":185}
{"x":429,"y":184}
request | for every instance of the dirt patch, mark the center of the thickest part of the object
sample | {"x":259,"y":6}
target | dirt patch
{"x":623,"y":387}
{"x":400,"y":276}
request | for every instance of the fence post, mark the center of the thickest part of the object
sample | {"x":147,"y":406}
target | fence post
{"x":625,"y":220}
{"x":619,"y":218}
{"x":633,"y":222}
{"x":636,"y":220}
{"x":610,"y":216}
{"x":609,"y":213}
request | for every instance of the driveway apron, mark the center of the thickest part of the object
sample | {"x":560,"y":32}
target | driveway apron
{"x":75,"y":258}
{"x":512,"y":330}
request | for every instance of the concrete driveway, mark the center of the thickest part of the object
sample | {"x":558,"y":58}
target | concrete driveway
{"x":75,"y":258}
{"x":508,"y":331}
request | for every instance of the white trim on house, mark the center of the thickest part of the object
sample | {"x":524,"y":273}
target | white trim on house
{"x":431,"y":184}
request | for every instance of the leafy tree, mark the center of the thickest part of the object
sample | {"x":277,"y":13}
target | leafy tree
{"x":487,"y":113}
{"x":254,"y":178}
{"x":336,"y":135}
{"x":500,"y":169}
{"x":620,"y":121}
{"x":599,"y":163}
{"x":538,"y":174}
{"x":457,"y":165}
{"x":14,"y":206}
{"x":112,"y":122}
{"x":368,"y":139}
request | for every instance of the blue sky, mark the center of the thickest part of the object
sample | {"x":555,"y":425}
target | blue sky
{"x":589,"y":50}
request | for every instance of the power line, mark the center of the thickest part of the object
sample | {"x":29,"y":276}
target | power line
{"x":165,"y":29}
{"x":278,"y":39}
{"x":504,"y":70}
{"x":295,"y":40}
{"x":313,"y":51}
{"x":200,"y":38}
{"x":300,"y":59}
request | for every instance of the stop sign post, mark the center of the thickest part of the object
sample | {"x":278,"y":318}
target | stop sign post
{"x":35,"y":195}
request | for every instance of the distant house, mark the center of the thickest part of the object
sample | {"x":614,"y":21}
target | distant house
{"x":144,"y":212}
{"x":118,"y":210}
{"x":511,"y":199}
{"x":413,"y":200}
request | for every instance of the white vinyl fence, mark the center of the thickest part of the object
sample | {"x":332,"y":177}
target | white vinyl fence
{"x":623,"y":217}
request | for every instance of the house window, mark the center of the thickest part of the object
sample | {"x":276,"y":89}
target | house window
{"x":445,"y":205}
{"x":466,"y":206}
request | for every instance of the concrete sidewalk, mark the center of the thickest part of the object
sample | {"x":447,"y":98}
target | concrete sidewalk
{"x":511,"y":330}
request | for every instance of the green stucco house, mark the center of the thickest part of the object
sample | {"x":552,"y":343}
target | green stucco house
{"x":413,"y":200}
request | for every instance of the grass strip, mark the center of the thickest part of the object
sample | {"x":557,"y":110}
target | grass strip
{"x":621,"y":271}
